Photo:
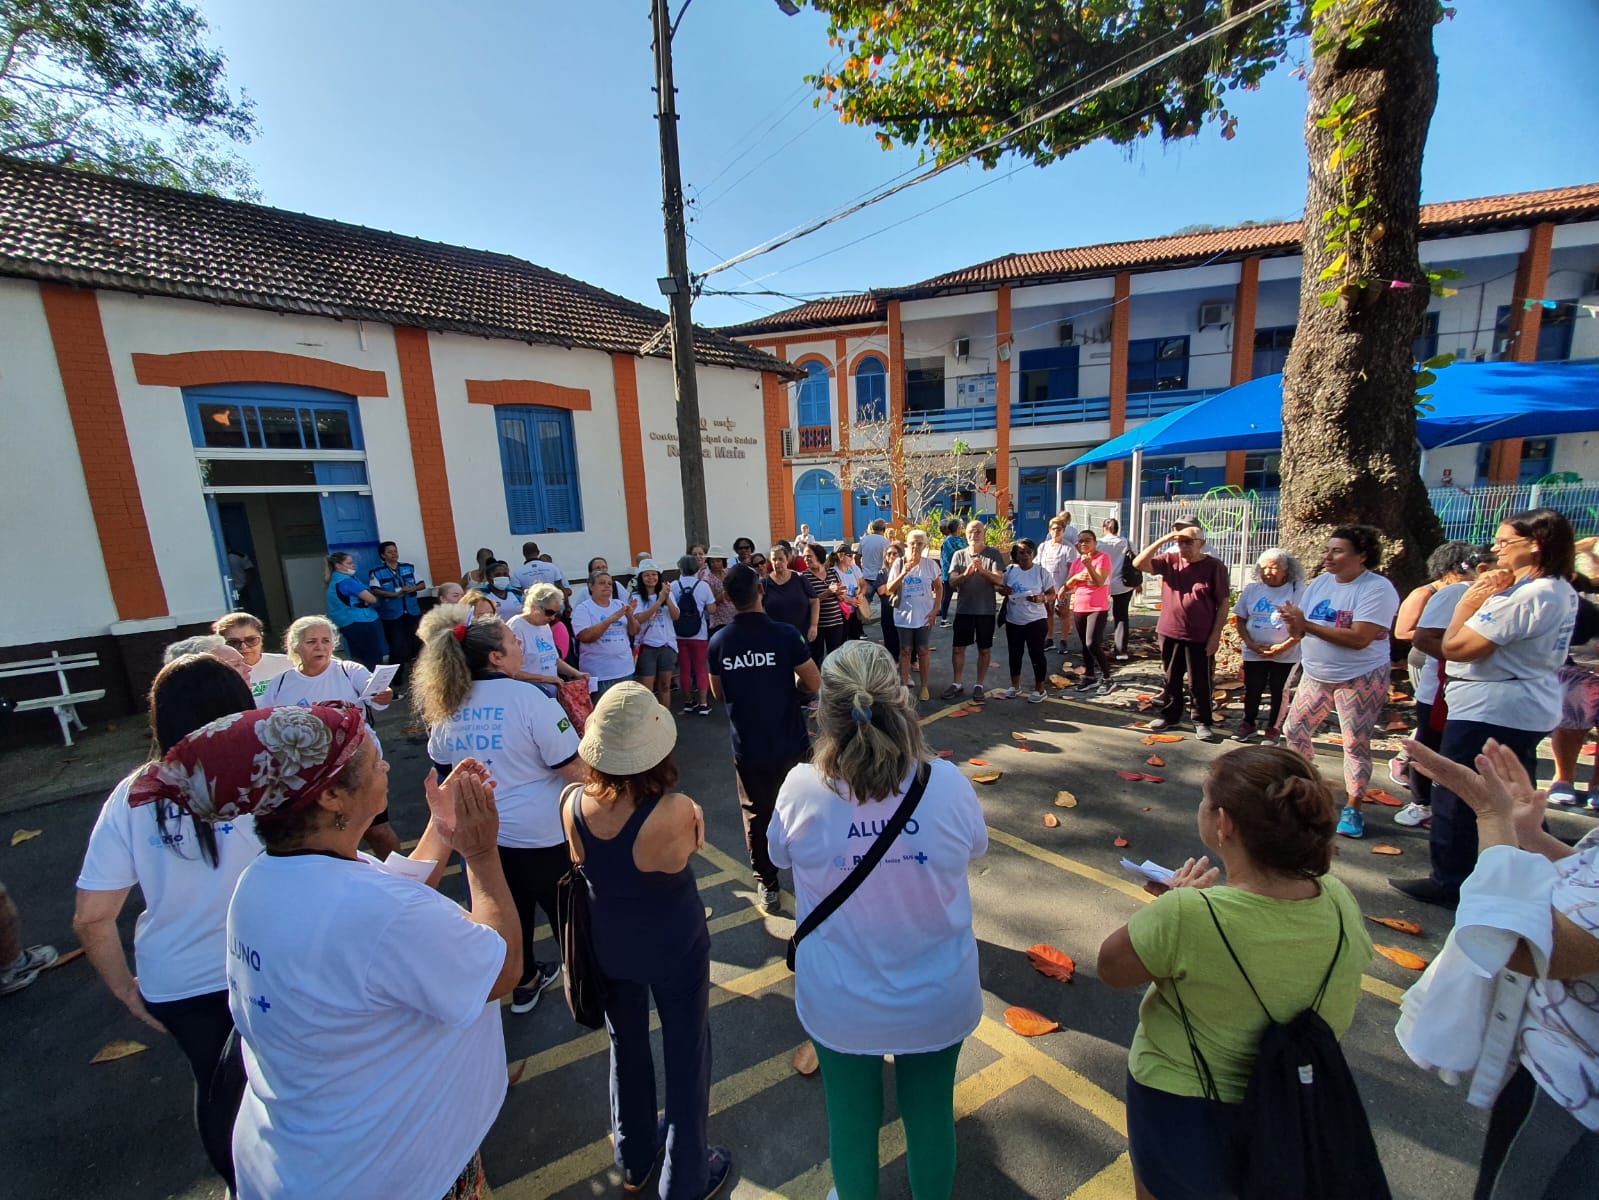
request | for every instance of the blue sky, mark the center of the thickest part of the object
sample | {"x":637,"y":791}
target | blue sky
{"x":527,"y":128}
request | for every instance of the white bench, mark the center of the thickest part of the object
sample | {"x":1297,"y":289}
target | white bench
{"x":66,"y":703}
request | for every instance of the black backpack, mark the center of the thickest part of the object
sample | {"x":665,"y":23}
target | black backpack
{"x":688,"y":619}
{"x":1302,"y":1129}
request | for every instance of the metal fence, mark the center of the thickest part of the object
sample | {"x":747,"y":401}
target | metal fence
{"x":1238,"y":527}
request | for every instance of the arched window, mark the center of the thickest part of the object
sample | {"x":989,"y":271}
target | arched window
{"x":871,"y":389}
{"x":814,"y":408}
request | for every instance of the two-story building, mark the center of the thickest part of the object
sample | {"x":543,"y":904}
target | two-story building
{"x":1036,"y":357}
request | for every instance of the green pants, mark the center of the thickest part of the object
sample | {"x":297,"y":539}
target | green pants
{"x":924,"y":1085}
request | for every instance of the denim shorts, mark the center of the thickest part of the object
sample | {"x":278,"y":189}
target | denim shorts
{"x":919,"y":638}
{"x":656,"y":660}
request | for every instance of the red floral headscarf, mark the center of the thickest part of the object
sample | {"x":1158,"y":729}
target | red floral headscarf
{"x":255,"y":761}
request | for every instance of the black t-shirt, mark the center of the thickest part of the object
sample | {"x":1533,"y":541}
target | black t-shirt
{"x":754,"y":660}
{"x":790,"y":603}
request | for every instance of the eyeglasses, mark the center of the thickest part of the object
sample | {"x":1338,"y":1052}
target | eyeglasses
{"x":1502,"y":545}
{"x":243,"y":643}
{"x":552,"y":613}
{"x":1186,"y":541}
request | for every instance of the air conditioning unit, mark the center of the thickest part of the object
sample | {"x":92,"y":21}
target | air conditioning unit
{"x":1215,"y":312}
{"x":790,"y":443}
{"x":963,"y":349}
{"x":1066,"y":333}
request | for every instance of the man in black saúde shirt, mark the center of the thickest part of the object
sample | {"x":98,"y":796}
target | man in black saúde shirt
{"x":754,"y":663}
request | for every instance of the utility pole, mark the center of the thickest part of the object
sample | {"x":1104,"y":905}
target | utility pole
{"x":678,"y":289}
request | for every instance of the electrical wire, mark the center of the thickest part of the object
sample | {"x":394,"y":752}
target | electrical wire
{"x":1088,"y":94}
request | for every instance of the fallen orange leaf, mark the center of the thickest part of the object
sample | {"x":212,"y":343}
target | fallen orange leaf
{"x":1131,"y":776}
{"x":1378,"y":796}
{"x":1060,"y":681}
{"x":1121,"y":843}
{"x":1152,"y":779}
{"x":1029,"y":1023}
{"x":1162,"y":739}
{"x":1335,"y":739}
{"x":1397,"y":726}
{"x":955,"y":716}
{"x":1054,"y":963}
{"x":1409,"y":927}
{"x":1024,"y":747}
{"x":1065,"y":800}
{"x":1155,"y":760}
{"x":1020,"y":737}
{"x":1398,"y":697}
{"x":805,"y":1059}
{"x":112,"y":1051}
{"x":986,"y":777}
{"x":1404,"y":958}
{"x":1382,"y":848}
{"x":64,"y":959}
{"x":977,"y":762}
{"x":1051,"y":821}
{"x":945,"y":753}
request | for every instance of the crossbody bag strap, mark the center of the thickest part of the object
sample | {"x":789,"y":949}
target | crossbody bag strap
{"x":872,"y":857}
{"x":1214,"y":920}
{"x":570,"y":799}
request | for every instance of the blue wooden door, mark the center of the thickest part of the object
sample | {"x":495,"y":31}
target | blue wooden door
{"x":1035,"y":502}
{"x":817,"y":503}
{"x":871,"y":504}
{"x":349,"y":521}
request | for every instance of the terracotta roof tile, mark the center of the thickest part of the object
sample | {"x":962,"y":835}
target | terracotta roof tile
{"x":70,"y":226}
{"x":836,"y":310}
{"x":1437,"y":220}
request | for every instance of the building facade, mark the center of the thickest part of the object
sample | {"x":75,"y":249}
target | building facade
{"x":1036,"y":357}
{"x":189,"y":383}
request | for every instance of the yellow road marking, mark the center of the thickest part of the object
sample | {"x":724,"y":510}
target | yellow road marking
{"x":598,"y":1041}
{"x":599,"y":1156}
{"x":1078,"y":1089}
{"x":944,"y":712}
{"x":1094,"y":874}
{"x":971,"y":1094}
{"x":1115,"y":1182}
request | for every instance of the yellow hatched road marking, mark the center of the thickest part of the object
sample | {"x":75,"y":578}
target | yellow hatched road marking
{"x":1080,"y":1090}
{"x":598,"y":1156}
{"x":1115,"y":1182}
{"x":971,"y":1094}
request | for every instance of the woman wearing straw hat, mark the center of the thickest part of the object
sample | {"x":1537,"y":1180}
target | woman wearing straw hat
{"x":635,"y":837}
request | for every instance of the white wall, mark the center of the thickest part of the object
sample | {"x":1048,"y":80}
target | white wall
{"x":48,"y":527}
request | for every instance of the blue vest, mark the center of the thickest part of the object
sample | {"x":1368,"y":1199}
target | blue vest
{"x":344,"y":609}
{"x":403,"y":575}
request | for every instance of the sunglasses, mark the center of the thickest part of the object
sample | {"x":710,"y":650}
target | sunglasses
{"x":243,"y":643}
{"x":552,"y":613}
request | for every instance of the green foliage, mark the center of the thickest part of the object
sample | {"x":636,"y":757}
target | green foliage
{"x":122,"y":87}
{"x":953,"y":76}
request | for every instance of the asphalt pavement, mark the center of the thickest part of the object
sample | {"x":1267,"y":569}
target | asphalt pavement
{"x":1039,"y":1117}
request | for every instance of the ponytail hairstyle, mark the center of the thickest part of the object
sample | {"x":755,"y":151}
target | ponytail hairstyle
{"x":455,"y":650}
{"x":1284,"y":811}
{"x":329,"y":563}
{"x":189,"y":693}
{"x":868,"y":738}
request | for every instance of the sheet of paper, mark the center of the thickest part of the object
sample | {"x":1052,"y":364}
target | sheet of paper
{"x":1152,"y":871}
{"x":381,"y":678}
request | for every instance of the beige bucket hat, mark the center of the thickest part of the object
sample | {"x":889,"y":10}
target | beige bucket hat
{"x":628,"y":732}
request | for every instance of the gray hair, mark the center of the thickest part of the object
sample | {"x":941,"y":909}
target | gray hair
{"x":202,"y":643}
{"x":542,"y":595}
{"x":1291,"y":565}
{"x":868,"y":736}
{"x":296,"y":635}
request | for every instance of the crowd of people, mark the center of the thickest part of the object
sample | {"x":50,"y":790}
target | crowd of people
{"x":297,"y":972}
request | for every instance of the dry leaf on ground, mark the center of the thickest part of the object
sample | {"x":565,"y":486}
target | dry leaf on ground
{"x":978,"y":762}
{"x":1121,"y":843}
{"x":1020,"y":737}
{"x":986,"y":777}
{"x":1384,"y":848}
{"x":112,"y":1051}
{"x":945,"y":753}
{"x":1404,"y":958}
{"x":1152,"y":779}
{"x":1154,"y":760}
{"x":805,"y":1059}
{"x":1051,"y":821}
{"x":1060,"y":681}
{"x":24,"y":835}
{"x":64,"y":959}
{"x":955,"y":716}
{"x":1398,"y":697}
{"x":1049,"y":961}
{"x":1131,"y":776}
{"x":1162,"y":739}
{"x":1397,"y":726}
{"x":1029,"y":1023}
{"x":1065,"y":800}
{"x":1378,"y":796}
{"x":1409,"y":927}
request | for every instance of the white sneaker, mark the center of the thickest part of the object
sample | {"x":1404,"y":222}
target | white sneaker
{"x":1412,"y":815}
{"x":1563,"y":795}
{"x":1036,"y":697}
{"x":1203,"y":732}
{"x":1010,"y":693}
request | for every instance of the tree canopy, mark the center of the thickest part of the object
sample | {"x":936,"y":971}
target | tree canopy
{"x":122,"y":87}
{"x":948,"y":76}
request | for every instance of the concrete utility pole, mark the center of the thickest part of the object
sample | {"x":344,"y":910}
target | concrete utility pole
{"x":677,"y":288}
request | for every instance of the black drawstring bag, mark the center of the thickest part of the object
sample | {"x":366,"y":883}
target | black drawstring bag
{"x":585,"y":982}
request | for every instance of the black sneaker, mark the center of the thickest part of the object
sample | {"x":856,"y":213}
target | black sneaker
{"x":631,"y":1184}
{"x":689,"y":709}
{"x":721,"y":1169}
{"x":1086,"y":684}
{"x":525,"y":997}
{"x":704,"y":710}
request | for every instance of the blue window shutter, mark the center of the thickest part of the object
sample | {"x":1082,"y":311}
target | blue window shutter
{"x":813,"y":405}
{"x":871,"y":390}
{"x":556,"y":464}
{"x":516,"y":465}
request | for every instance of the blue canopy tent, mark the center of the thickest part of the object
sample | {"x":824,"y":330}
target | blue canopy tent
{"x":1472,"y":402}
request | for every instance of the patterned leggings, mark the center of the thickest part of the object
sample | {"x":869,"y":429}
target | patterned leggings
{"x":1359,"y":703}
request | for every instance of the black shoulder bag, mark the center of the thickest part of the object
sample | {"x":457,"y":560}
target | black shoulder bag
{"x":585,"y":981}
{"x":836,"y":897}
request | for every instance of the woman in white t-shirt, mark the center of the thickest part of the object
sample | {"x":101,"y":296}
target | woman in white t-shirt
{"x":657,"y":639}
{"x":1342,"y":623}
{"x":1507,"y":640}
{"x":534,"y":627}
{"x":842,"y":561}
{"x":605,"y":628}
{"x":1270,"y":653}
{"x":318,"y":678}
{"x":1029,"y":589}
{"x":244,"y":632}
{"x":893,"y":970}
{"x":914,"y":585}
{"x":465,"y":688}
{"x":365,"y":1001}
{"x":1121,"y":593}
{"x":185,"y":870}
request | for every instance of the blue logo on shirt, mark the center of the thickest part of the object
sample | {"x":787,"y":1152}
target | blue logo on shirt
{"x":261,"y":1002}
{"x":918,"y":858}
{"x":1324,"y":612}
{"x":1264,"y":605}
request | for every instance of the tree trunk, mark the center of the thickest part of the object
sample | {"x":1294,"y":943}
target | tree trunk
{"x":1349,"y":420}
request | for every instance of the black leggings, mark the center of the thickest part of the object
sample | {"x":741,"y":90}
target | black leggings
{"x":828,"y":639}
{"x":1028,"y":638}
{"x":1261,"y":677}
{"x":1119,"y":605}
{"x":201,"y":1026}
{"x":1090,"y":630}
{"x":531,"y":875}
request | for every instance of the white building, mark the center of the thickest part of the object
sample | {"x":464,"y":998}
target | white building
{"x":182,"y":376}
{"x":1037,"y":357}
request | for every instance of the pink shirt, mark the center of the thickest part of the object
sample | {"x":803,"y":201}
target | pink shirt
{"x":1086,"y":598}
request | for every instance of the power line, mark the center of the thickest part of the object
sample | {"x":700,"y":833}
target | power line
{"x":1084,"y":96}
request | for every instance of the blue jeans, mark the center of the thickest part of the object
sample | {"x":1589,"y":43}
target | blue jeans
{"x":1453,"y":837}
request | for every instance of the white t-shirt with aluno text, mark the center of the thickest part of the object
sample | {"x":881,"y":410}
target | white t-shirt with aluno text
{"x":1529,"y":624}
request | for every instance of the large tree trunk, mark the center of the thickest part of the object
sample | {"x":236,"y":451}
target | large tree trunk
{"x":1349,"y":419}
